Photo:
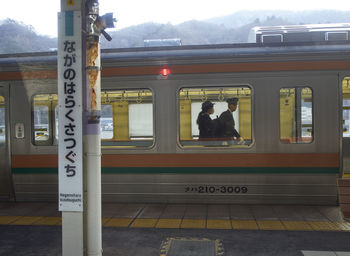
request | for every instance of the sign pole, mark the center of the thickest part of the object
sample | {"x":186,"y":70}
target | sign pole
{"x":70,"y":146}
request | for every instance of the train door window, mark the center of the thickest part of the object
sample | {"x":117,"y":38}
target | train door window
{"x":127,"y":118}
{"x":2,"y":121}
{"x":346,"y":107}
{"x":43,"y":118}
{"x":139,"y":126}
{"x":223,"y":128}
{"x":296,"y":118}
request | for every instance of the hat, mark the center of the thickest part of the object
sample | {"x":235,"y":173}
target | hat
{"x":233,"y":101}
{"x":207,"y":105}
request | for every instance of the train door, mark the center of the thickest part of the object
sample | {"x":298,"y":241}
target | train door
{"x":346,"y":127}
{"x":5,"y":172}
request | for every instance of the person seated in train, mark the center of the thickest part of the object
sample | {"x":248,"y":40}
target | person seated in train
{"x":227,"y":123}
{"x":206,"y":125}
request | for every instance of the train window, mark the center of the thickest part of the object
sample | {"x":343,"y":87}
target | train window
{"x":106,"y":121}
{"x":138,"y":116}
{"x":227,"y":128}
{"x":296,"y":119}
{"x":56,"y":123}
{"x":2,"y":121}
{"x":43,"y":122}
{"x":127,"y":118}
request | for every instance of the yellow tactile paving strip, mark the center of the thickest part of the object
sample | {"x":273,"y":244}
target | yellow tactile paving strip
{"x":168,"y":223}
{"x":47,"y":221}
{"x":118,"y":222}
{"x":189,"y":223}
{"x":219,"y":224}
{"x":323,"y":226}
{"x":343,"y":226}
{"x":105,"y":220}
{"x":297,"y":225}
{"x":244,"y":224}
{"x":144,"y":223}
{"x":4,"y":220}
{"x":27,"y":220}
{"x":270,"y":225}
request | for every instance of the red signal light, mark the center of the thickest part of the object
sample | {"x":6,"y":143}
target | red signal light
{"x":165,"y":72}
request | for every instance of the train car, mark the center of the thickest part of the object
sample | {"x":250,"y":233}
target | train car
{"x":289,"y":114}
{"x":162,"y":42}
{"x":300,"y":33}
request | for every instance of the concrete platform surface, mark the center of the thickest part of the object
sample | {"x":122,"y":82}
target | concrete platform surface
{"x":46,"y":241}
{"x":145,"y":229}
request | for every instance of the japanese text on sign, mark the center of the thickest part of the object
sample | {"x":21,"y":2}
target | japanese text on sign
{"x":70,"y":113}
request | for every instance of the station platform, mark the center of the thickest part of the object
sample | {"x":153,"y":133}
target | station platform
{"x":149,"y":229}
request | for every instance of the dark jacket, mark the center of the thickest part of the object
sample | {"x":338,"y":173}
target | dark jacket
{"x":206,"y":126}
{"x":227,"y":125}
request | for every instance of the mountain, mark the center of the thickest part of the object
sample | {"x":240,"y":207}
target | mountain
{"x":241,"y":18}
{"x":17,"y":37}
{"x":191,"y":33}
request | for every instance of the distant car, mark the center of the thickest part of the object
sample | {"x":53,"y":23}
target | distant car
{"x":106,"y":124}
{"x":108,"y":127}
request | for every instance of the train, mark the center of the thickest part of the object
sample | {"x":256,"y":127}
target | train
{"x":300,"y":33}
{"x":293,"y":113}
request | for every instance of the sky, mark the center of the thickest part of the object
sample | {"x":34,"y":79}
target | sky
{"x":42,"y":14}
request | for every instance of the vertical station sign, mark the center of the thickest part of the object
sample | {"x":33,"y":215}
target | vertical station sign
{"x":70,"y":155}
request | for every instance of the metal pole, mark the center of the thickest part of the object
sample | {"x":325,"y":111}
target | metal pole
{"x":92,"y":132}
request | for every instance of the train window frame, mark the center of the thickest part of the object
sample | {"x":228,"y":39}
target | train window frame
{"x":51,"y":122}
{"x":110,"y":145}
{"x":272,"y":38}
{"x":312,"y":120}
{"x":3,"y":130}
{"x":228,"y":148}
{"x":344,"y":106}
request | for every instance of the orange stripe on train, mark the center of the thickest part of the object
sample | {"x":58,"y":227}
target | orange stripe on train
{"x":191,"y":160}
{"x":191,"y":69}
{"x":227,"y":68}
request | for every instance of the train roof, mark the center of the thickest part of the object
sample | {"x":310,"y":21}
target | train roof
{"x":302,"y":28}
{"x":223,"y":51}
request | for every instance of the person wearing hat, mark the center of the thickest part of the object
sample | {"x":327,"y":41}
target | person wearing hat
{"x":206,"y":125}
{"x":227,"y":123}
